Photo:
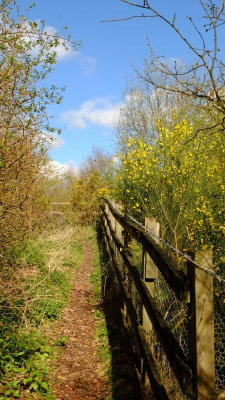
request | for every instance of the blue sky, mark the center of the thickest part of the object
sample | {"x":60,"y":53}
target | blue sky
{"x":96,"y":76}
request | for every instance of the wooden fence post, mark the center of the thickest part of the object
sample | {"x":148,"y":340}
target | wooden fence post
{"x":118,"y":230}
{"x":150,"y":271}
{"x":201,"y":325}
{"x":123,"y":237}
{"x":111,"y":217}
{"x":149,"y":274}
{"x":106,"y":224}
{"x":106,"y":209}
{"x":113,"y":223}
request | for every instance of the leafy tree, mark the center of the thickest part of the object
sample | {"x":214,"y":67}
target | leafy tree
{"x":94,"y":180}
{"x":28,"y":53}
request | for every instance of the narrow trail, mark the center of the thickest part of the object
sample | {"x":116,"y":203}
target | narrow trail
{"x":77,"y":375}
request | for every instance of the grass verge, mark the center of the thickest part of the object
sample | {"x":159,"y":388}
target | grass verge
{"x":35,"y":286}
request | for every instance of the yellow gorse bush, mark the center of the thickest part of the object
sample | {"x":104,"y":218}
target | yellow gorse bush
{"x":179,"y":179}
{"x":103,"y":192}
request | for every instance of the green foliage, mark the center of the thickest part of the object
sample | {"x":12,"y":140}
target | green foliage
{"x":84,"y":198}
{"x":29,"y":253}
{"x":94,"y":180}
{"x":28,"y":53}
{"x":23,"y":364}
{"x":56,"y":288}
{"x":39,"y":295}
{"x":34,"y":288}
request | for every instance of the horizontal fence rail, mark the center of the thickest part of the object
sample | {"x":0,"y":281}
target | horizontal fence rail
{"x":195,"y":378}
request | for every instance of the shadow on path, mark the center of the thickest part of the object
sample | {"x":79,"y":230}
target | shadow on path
{"x":124,"y":386}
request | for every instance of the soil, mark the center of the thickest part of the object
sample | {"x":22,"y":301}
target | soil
{"x":78,"y":375}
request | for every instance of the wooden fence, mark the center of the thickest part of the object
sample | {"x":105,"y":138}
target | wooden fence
{"x":192,"y":370}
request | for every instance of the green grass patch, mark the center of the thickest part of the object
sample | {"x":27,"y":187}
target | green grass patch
{"x":34,"y":291}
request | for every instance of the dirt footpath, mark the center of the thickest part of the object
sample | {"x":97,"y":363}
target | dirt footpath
{"x":77,"y":375}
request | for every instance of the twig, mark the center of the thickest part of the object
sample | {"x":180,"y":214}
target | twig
{"x":129,"y":18}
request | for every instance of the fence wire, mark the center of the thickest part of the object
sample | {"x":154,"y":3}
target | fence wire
{"x":166,"y":373}
{"x":164,"y":305}
{"x":220,"y":345}
{"x":174,"y":312}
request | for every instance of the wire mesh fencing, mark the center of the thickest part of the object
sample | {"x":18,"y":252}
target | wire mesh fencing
{"x":177,"y":313}
{"x":220,"y":346}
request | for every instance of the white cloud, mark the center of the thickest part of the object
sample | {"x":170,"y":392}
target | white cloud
{"x":52,"y":141}
{"x":88,"y":65}
{"x":100,"y":111}
{"x":57,"y":169}
{"x":56,"y":142}
{"x":31,"y":35}
{"x":172,"y":62}
{"x":61,"y":50}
